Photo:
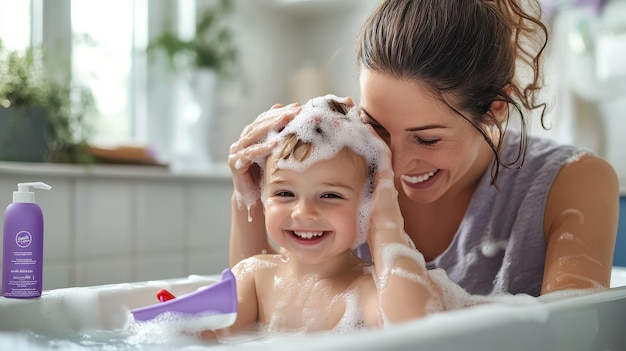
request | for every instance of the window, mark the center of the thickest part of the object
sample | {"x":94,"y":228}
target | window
{"x":15,"y":23}
{"x":106,"y":35}
{"x":105,"y":42}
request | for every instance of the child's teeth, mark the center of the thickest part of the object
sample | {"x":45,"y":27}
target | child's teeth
{"x":308,"y":235}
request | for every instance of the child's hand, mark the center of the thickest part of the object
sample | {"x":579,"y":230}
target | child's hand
{"x":249,"y":147}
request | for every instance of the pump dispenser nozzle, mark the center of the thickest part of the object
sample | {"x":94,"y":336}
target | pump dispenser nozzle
{"x":24,"y":195}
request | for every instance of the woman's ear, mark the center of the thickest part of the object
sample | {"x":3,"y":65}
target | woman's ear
{"x":500,"y":107}
{"x":499,"y":110}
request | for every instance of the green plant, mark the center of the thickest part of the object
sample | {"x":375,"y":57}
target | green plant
{"x":212,"y":46}
{"x":27,"y":85}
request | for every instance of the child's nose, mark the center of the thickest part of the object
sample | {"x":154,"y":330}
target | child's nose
{"x":304,"y":210}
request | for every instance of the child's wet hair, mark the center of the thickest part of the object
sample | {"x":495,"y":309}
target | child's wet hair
{"x":300,"y":149}
{"x":328,"y":127}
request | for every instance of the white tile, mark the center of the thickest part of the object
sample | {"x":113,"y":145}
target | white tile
{"x":57,"y":275}
{"x":157,"y":267}
{"x":57,"y":205}
{"x":100,"y":271}
{"x":160,"y":216}
{"x":209,"y":214}
{"x":104,"y":218}
{"x":207,"y":262}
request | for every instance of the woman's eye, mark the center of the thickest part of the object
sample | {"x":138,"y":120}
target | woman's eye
{"x":427,"y":142}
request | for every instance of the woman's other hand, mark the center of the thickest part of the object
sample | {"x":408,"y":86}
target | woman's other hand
{"x":250,"y":146}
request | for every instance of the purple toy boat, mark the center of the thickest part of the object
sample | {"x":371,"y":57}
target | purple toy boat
{"x":216,"y":304}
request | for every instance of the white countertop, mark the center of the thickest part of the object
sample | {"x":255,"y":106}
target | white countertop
{"x":215,"y":171}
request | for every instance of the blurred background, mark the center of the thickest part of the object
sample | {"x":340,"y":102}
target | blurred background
{"x":160,"y":89}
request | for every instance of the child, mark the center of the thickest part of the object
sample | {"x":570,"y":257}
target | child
{"x":326,"y":189}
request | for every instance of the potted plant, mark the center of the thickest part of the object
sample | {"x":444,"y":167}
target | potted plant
{"x":201,"y":61}
{"x":42,"y":118}
{"x":212,"y":47}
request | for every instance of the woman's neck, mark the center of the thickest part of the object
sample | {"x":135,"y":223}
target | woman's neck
{"x":432,"y":226}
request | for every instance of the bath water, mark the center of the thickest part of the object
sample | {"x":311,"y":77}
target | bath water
{"x":146,"y":336}
{"x":162,"y":335}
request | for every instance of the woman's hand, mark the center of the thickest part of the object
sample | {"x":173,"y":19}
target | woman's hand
{"x":386,"y":214}
{"x":247,"y":230}
{"x":250,"y":146}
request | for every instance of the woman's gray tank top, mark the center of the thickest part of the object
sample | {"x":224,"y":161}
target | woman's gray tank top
{"x":500,"y":245}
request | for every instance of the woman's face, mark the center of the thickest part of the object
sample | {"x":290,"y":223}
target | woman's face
{"x":433,"y":149}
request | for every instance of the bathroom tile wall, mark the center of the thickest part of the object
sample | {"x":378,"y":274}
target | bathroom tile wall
{"x":122,"y":228}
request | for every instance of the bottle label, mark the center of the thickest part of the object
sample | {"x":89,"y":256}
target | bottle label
{"x":23,"y":239}
{"x":21,"y":278}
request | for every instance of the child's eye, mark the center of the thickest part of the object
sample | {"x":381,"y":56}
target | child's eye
{"x":284,"y":194}
{"x":331,"y":196}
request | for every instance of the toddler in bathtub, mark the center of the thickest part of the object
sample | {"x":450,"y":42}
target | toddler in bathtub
{"x":327,"y":188}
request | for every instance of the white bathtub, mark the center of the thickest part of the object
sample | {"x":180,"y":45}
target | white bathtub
{"x":595,"y":321}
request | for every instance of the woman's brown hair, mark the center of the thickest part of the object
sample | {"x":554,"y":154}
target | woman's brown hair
{"x":467,"y":53}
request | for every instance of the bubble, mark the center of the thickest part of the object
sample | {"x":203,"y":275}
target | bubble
{"x":389,"y":254}
{"x":352,"y":318}
{"x":491,"y":249}
{"x":576,"y":157}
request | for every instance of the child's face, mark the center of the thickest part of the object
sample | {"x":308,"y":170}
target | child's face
{"x":313,"y":214}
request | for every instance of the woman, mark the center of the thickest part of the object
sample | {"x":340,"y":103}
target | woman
{"x":499,"y":211}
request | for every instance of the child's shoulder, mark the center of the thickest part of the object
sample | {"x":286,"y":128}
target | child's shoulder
{"x":365,"y":280}
{"x":258,"y":263}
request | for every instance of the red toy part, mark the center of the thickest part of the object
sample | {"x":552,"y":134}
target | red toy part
{"x":164,"y":295}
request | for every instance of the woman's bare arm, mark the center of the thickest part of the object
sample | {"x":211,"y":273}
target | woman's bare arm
{"x":405,"y":289}
{"x":247,"y":232}
{"x":580,"y":226}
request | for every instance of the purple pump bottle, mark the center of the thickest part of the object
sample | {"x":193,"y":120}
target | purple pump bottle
{"x":22,"y":249}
